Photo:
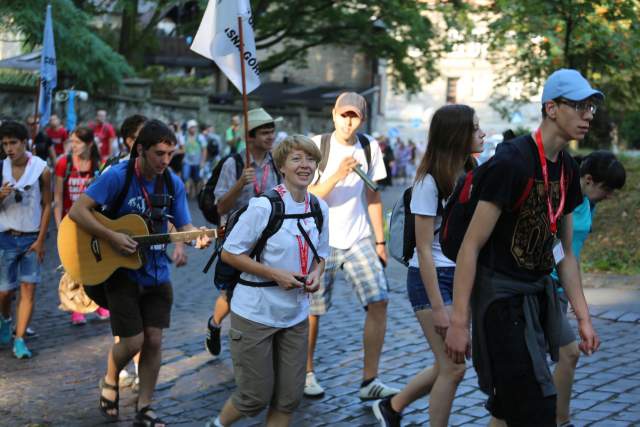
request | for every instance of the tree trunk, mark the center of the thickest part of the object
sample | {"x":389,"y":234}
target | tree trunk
{"x":128,"y":29}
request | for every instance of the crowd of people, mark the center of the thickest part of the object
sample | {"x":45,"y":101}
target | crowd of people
{"x":298,"y":212}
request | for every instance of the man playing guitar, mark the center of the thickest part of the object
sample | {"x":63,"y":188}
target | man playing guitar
{"x":139,"y":300}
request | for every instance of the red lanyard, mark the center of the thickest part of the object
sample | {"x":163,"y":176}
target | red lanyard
{"x":303,"y":246}
{"x":265,"y":174}
{"x":141,"y":183}
{"x":553,"y":216}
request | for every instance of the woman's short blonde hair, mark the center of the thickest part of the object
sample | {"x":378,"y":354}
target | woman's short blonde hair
{"x":295,"y":142}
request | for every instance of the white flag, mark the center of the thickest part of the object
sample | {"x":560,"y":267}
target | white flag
{"x":218,"y":39}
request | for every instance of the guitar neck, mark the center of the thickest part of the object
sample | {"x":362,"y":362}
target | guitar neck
{"x":180,"y":236}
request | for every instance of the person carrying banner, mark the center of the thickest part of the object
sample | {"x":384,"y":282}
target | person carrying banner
{"x":234,"y":189}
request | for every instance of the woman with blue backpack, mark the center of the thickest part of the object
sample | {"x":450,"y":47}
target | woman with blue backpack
{"x":270,"y":306}
{"x":454,"y":136}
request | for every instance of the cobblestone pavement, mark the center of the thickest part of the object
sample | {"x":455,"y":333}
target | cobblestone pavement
{"x":59,"y":385}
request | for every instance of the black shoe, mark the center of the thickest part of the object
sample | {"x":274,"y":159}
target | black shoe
{"x":385,"y":414}
{"x":212,"y":343}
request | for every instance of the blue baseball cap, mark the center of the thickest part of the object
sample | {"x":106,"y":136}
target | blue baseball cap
{"x":569,"y":84}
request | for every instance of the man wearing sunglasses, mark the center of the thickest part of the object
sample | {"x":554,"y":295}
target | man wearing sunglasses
{"x":25,"y":210}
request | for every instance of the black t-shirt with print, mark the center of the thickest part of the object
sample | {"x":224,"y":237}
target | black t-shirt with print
{"x":521,"y":244}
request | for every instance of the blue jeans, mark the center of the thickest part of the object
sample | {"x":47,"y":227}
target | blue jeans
{"x":190,"y":172}
{"x":417,"y":293}
{"x":17,"y":264}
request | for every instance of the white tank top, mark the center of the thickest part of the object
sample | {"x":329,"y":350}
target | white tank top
{"x":25,"y":215}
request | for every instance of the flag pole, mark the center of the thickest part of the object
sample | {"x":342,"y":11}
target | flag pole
{"x":37,"y":109}
{"x":245,"y":101}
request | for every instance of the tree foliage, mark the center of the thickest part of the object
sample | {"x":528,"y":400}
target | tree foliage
{"x":83,"y":58}
{"x":600,"y":38}
{"x":397,"y":30}
{"x":287,"y":29}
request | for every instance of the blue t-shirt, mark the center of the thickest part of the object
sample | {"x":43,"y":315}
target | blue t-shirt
{"x":105,"y":191}
{"x":582,"y":221}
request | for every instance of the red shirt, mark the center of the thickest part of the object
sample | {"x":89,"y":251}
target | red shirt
{"x":104,"y":133}
{"x":58,"y":137}
{"x":75,"y":185}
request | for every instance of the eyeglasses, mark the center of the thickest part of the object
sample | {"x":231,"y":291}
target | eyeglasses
{"x":581,"y":107}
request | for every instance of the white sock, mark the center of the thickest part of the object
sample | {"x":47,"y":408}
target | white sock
{"x":135,"y":365}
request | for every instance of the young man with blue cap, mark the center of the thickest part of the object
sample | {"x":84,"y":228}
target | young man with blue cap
{"x":503,"y":266}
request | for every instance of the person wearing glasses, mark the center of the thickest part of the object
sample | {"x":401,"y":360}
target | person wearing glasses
{"x":504,"y":263}
{"x":25,"y":210}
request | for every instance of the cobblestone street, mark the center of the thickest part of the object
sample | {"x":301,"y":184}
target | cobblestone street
{"x":59,"y":386}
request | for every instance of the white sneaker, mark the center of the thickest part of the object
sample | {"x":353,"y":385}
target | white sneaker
{"x":377,"y":390}
{"x":311,"y":386}
{"x":214,"y":422}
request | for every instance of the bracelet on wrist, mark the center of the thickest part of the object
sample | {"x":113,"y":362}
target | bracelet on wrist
{"x":381,"y":243}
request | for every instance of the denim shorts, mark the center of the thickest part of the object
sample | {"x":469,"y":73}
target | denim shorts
{"x":190,"y":172}
{"x":418,"y":294}
{"x":17,"y":264}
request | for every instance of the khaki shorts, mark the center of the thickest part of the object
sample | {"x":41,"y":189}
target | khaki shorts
{"x":269,"y":365}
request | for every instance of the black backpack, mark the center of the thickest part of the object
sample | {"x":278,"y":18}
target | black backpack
{"x":325,"y":147}
{"x":229,"y":276}
{"x":465,"y":196}
{"x":206,"y":197}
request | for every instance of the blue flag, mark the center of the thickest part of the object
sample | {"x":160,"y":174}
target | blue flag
{"x":71,"y":110}
{"x":48,"y":71}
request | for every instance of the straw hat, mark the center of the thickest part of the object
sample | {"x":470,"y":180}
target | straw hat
{"x":258,"y":117}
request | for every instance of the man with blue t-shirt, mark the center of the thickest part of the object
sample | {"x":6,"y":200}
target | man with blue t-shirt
{"x":139,"y":300}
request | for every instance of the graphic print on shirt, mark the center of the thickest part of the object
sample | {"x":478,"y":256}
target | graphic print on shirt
{"x":532,"y":240}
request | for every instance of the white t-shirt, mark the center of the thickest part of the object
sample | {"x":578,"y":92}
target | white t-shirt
{"x":347,"y":214}
{"x":274,"y":306}
{"x":424,"y":201}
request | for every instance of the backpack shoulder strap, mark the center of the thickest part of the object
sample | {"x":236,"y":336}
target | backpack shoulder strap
{"x":325,"y":147}
{"x":276,"y":218}
{"x":115,"y":207}
{"x":69,"y":166}
{"x":168,"y":182}
{"x":525,"y":148}
{"x":237,"y":157}
{"x":366,"y":146}
{"x":316,"y":210}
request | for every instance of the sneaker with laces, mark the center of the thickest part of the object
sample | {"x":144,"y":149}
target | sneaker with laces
{"x":385,"y":414}
{"x":102,"y":313}
{"x":311,"y":386}
{"x":78,"y":319}
{"x":5,"y":331}
{"x":212,"y":342}
{"x":377,"y":390}
{"x":20,"y":349}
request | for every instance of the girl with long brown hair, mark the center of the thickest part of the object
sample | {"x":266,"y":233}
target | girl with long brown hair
{"x":454,"y":135}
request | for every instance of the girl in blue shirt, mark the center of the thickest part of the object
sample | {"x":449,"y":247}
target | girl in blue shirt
{"x":600,"y":175}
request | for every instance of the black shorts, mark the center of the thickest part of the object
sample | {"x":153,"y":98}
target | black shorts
{"x":517,"y":398}
{"x":133,"y":307}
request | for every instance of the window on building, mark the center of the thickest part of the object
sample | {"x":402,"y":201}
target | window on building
{"x":452,"y":89}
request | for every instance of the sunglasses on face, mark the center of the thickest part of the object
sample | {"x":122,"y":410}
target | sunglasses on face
{"x":581,"y":106}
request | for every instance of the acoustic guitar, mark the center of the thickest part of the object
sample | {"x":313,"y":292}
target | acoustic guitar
{"x":91,"y":260}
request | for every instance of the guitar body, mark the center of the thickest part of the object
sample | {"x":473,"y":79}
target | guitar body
{"x":90,"y":260}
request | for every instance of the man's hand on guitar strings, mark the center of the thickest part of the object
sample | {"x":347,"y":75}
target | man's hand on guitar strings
{"x":123,"y":243}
